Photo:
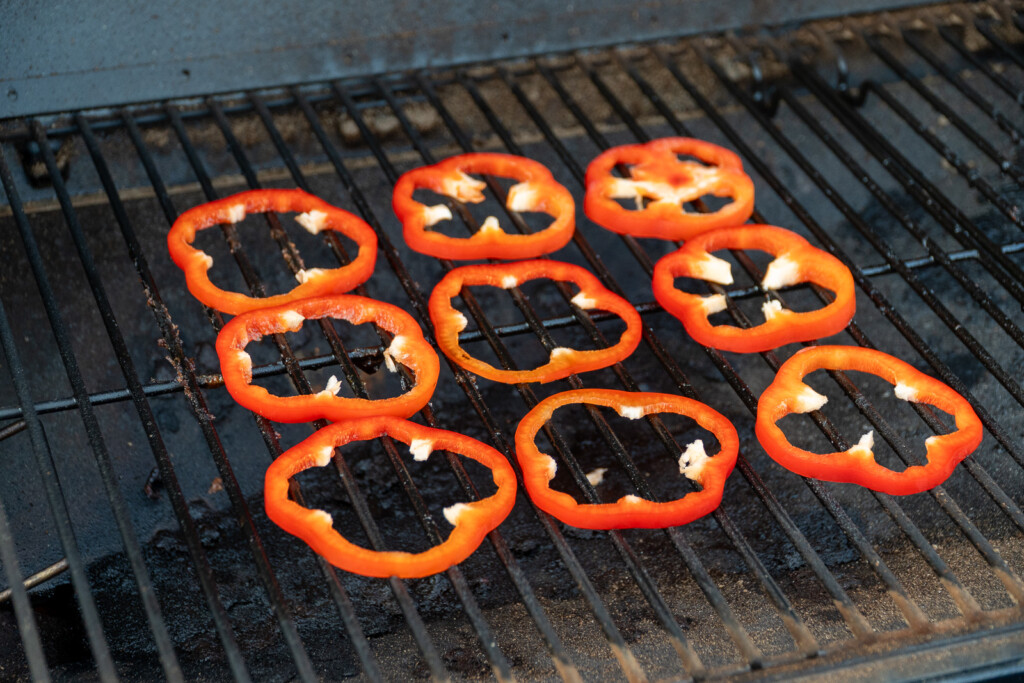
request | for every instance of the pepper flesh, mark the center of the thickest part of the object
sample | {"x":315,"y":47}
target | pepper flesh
{"x":796,"y":261}
{"x":472,"y":521}
{"x":408,"y":347}
{"x":316,"y":215}
{"x":789,"y":394}
{"x":537,"y":190}
{"x":448,"y":322}
{"x":629,"y":511}
{"x":657,"y":174}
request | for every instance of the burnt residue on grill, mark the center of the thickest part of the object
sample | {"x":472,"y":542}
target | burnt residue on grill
{"x":892,"y":141}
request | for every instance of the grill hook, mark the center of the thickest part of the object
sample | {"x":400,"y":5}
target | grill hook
{"x":763,"y":92}
{"x":852,"y":94}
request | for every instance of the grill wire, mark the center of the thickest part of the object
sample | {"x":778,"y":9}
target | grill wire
{"x":809,"y":585}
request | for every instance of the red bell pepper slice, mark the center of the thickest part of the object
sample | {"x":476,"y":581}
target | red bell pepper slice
{"x":448,"y":322}
{"x":471,"y":521}
{"x":537,"y":190}
{"x":662,"y":184}
{"x":789,"y":394}
{"x":796,"y":261}
{"x":315,"y":215}
{"x":630,"y":512}
{"x":407,"y":347}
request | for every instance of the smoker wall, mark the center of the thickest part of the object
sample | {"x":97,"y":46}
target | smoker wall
{"x":62,"y":55}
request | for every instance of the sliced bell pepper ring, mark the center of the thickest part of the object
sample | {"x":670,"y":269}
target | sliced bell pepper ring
{"x":471,"y":521}
{"x":448,"y":322}
{"x":537,"y":190}
{"x":665,"y":183}
{"x":796,"y":261}
{"x":407,"y":347}
{"x":630,"y":512}
{"x":789,"y":394}
{"x":315,"y":215}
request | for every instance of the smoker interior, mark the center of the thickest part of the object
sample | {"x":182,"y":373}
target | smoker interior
{"x":132,"y":494}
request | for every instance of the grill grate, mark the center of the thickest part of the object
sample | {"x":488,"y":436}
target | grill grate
{"x":918,"y":163}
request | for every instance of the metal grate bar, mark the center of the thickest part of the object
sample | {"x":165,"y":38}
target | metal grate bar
{"x":1012,"y":583}
{"x":666,"y":360}
{"x":950,"y":217}
{"x":971,"y":342}
{"x":790,"y":149}
{"x":1009,"y":579}
{"x":153,"y":114}
{"x":622,"y":652}
{"x":566,"y":669}
{"x":644,"y":583}
{"x":1005,"y":48}
{"x":512,"y":567}
{"x":133,"y":549}
{"x":739,"y":634}
{"x":1006,"y":165}
{"x":458,"y":581}
{"x":976,"y":469}
{"x":200,"y":563}
{"x":960,"y":84}
{"x":197,"y":404}
{"x":808,"y":120}
{"x":990,"y":249}
{"x":47,"y":469}
{"x":154,"y":389}
{"x":337,"y":592}
{"x":959,"y":221}
{"x":922,"y":348}
{"x":940,"y":256}
{"x":367,"y":353}
{"x":131,"y":542}
{"x":1018,"y":21}
{"x":848,"y":212}
{"x":981,"y":65}
{"x":625,"y":656}
{"x":792,"y":620}
{"x":912,"y":612}
{"x":499,"y":663}
{"x":28,"y":630}
{"x":855,"y":620}
{"x":900,"y":517}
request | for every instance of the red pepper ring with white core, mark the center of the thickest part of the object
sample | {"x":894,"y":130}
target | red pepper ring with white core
{"x":537,"y":190}
{"x":796,"y":260}
{"x":630,"y":512}
{"x":857,"y":465}
{"x":407,"y":347}
{"x":315,"y":215}
{"x":448,"y":321}
{"x":471,"y":521}
{"x":661,"y":184}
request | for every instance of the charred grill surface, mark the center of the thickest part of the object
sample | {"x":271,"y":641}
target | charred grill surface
{"x":132,"y":491}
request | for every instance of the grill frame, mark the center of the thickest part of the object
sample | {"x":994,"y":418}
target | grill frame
{"x":976,"y":246}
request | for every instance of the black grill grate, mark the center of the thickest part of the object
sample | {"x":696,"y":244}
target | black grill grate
{"x":918,"y":162}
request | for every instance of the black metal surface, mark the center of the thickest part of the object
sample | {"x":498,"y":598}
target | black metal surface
{"x":906,"y":167}
{"x":183,"y":50}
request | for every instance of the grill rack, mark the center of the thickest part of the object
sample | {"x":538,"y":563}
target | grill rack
{"x":996,"y":257}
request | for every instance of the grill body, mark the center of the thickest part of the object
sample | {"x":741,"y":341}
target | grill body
{"x":132,"y":496}
{"x":182,"y":50}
